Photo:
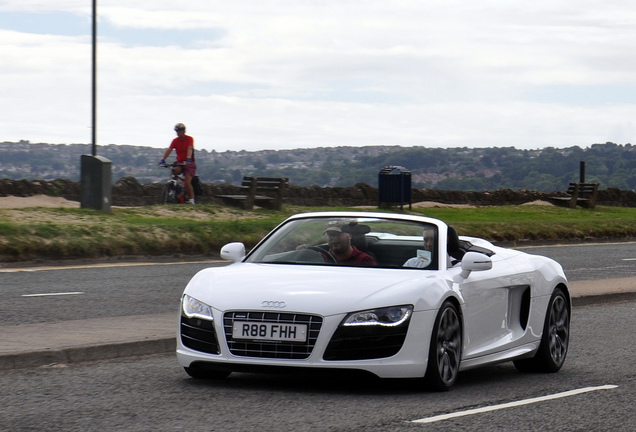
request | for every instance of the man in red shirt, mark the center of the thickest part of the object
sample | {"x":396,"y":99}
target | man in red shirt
{"x":184,"y":146}
{"x":339,"y":237}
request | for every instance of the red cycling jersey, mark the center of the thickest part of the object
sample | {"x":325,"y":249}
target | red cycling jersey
{"x":181,"y":146}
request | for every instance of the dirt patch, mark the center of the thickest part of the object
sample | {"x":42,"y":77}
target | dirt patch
{"x":185,"y":211}
{"x":19,"y":209}
{"x":539,"y":202}
{"x":15,"y":202}
{"x":432,"y":204}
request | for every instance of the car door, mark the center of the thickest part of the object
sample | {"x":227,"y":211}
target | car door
{"x":490,"y":312}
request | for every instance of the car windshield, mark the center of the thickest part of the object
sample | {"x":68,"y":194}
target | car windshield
{"x":358,"y":242}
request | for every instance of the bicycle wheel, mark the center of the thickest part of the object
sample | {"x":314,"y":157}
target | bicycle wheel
{"x":169,"y":194}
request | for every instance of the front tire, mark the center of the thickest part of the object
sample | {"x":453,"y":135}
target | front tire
{"x":168,"y":194}
{"x":555,"y":339}
{"x":445,"y":351}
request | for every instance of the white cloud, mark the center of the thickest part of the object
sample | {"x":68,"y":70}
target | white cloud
{"x":251,"y":75}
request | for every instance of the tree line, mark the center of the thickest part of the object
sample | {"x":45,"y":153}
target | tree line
{"x":475,"y":169}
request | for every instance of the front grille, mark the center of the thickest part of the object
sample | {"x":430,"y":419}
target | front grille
{"x":198,"y":334}
{"x":365,"y":342}
{"x":272,"y":349}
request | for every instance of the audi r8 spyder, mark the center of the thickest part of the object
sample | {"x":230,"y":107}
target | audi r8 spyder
{"x":390,"y":294}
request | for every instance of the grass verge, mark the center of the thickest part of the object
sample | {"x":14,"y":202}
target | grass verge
{"x":63,"y":233}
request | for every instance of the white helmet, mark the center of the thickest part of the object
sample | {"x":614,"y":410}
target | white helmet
{"x":179,"y":126}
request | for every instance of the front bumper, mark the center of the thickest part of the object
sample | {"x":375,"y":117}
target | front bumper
{"x":409,"y":361}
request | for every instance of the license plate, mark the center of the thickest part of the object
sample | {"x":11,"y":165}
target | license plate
{"x":269,"y":331}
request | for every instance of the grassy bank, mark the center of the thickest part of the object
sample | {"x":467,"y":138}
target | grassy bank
{"x":540,"y":223}
{"x":64,"y":233}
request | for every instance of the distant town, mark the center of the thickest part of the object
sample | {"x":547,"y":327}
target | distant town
{"x":478,"y":169}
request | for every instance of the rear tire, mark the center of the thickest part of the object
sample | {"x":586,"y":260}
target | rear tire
{"x":555,"y":338}
{"x":445,"y":352}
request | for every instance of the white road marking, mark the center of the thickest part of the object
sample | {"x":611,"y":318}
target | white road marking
{"x":53,"y":294}
{"x":512,"y":404}
{"x":629,"y":259}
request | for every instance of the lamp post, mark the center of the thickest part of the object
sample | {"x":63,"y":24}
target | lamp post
{"x":94,"y":110}
{"x":95,"y":177}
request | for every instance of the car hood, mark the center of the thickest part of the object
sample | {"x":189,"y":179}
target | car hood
{"x":323,"y":290}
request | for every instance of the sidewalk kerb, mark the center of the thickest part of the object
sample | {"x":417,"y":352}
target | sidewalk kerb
{"x":86,"y":353}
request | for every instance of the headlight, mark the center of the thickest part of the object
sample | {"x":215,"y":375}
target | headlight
{"x":388,"y":317}
{"x":193,"y":308}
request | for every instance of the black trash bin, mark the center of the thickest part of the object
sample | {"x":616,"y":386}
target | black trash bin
{"x":394,"y":186}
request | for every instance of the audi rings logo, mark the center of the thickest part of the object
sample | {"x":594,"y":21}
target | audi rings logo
{"x":273,"y":304}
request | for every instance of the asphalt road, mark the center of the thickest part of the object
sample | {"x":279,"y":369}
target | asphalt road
{"x":43,"y":295}
{"x":592,"y":261}
{"x":97,"y":292}
{"x":153,"y":393}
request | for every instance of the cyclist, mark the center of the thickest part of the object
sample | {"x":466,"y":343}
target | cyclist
{"x":184,"y":146}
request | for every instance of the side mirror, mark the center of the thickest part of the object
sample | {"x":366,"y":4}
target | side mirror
{"x":233,"y":251}
{"x":475,"y":261}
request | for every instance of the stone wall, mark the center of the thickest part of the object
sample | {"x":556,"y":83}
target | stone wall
{"x":129,"y":192}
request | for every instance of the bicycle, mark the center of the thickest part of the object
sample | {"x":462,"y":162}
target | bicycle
{"x":174,"y":190}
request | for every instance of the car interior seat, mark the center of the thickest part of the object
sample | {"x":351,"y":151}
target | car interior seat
{"x":359,"y":239}
{"x":453,"y":247}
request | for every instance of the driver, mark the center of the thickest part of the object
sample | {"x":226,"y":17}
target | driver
{"x":339,"y":237}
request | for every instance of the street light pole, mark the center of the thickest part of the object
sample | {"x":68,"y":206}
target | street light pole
{"x":94,"y":125}
{"x":95,"y":171}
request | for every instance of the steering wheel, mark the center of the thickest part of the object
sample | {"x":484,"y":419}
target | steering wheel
{"x":325,"y":253}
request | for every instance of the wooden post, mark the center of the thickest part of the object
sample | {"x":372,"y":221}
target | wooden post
{"x":248,"y":204}
{"x":582,"y":172}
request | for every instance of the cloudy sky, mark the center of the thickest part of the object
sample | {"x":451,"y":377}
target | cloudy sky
{"x":285,"y":74}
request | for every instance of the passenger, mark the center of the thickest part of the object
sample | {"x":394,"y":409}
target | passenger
{"x":339,"y":236}
{"x":424,"y":257}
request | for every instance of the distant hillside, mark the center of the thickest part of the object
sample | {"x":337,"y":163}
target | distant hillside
{"x":464,"y":169}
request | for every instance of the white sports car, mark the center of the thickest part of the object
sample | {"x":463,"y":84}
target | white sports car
{"x":391,"y":294}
